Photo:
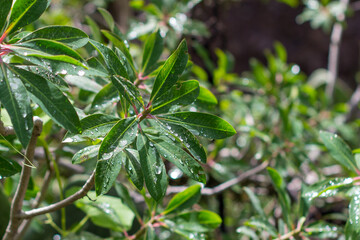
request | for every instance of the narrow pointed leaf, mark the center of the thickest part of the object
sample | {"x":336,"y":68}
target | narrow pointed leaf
{"x":51,"y":100}
{"x":4,"y":12}
{"x":170,"y":71}
{"x":84,"y":83}
{"x":120,"y":44}
{"x":127,"y":89}
{"x":339,"y":150}
{"x":174,"y":153}
{"x":25,"y":12}
{"x":94,"y":29}
{"x":152,"y":51}
{"x":127,"y":65}
{"x":105,"y":97}
{"x":354,"y":213}
{"x":256,"y":203}
{"x":326,"y":188}
{"x":72,"y":37}
{"x":119,"y":137}
{"x":111,"y":60}
{"x":262,"y":226}
{"x":108,"y":18}
{"x":201,"y":124}
{"x":182,"y":93}
{"x":106,"y":172}
{"x":8,"y":167}
{"x":133,"y":167}
{"x":152,"y":167}
{"x":86,"y":154}
{"x":206,"y":96}
{"x":184,"y":199}
{"x":14,"y":97}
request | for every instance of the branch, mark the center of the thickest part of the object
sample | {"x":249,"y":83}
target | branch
{"x":224,"y":186}
{"x":353,"y":104}
{"x":67,"y":201}
{"x":17,"y":203}
{"x":6,"y":131}
{"x":333,"y":61}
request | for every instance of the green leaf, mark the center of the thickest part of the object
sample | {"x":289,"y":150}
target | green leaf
{"x":183,"y":93}
{"x":124,"y":195}
{"x":201,"y":124}
{"x":204,"y":217}
{"x":4,"y":12}
{"x":174,"y":153}
{"x":186,"y":138}
{"x":50,"y":47}
{"x":153,"y":168}
{"x":119,"y":137}
{"x":128,"y":67}
{"x":206,"y":96}
{"x":107,"y":171}
{"x":255,"y":202}
{"x":84,"y":83}
{"x":170,"y":71}
{"x":323,"y":230}
{"x":105,"y":97}
{"x":339,"y":150}
{"x":127,"y":89}
{"x":107,"y":212}
{"x":284,"y":198}
{"x":248,"y":232}
{"x":262,"y":225}
{"x":8,"y":167}
{"x":112,"y":62}
{"x":119,"y":43}
{"x":326,"y":188}
{"x":94,"y":126}
{"x":86,"y":154}
{"x":94,"y":29}
{"x":51,"y":100}
{"x":152,"y":51}
{"x":25,"y":12}
{"x":72,"y":37}
{"x":184,"y":199}
{"x":108,"y":18}
{"x":14,"y":97}
{"x":354,"y":213}
{"x":133,"y":167}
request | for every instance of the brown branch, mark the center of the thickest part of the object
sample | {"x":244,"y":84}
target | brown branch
{"x":224,"y":186}
{"x":334,"y":50}
{"x":67,"y":201}
{"x":6,"y":131}
{"x":39,"y":198}
{"x":353,"y":104}
{"x":17,"y":203}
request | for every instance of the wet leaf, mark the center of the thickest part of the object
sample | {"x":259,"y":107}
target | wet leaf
{"x":184,"y":199}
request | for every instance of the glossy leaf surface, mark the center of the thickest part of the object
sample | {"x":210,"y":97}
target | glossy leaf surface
{"x":8,"y":167}
{"x":184,"y":199}
{"x":85,"y":154}
{"x":152,"y":51}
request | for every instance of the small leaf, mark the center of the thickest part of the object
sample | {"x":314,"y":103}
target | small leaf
{"x":182,"y":93}
{"x":262,"y":226}
{"x":124,"y":195}
{"x":152,"y":51}
{"x":127,"y":65}
{"x":8,"y":167}
{"x":111,"y":60}
{"x":255,"y":202}
{"x":83,"y":83}
{"x":107,"y":212}
{"x":184,"y":199}
{"x":170,"y":71}
{"x":201,"y":124}
{"x":206,"y":97}
{"x":94,"y":29}
{"x":207,"y":219}
{"x":108,"y":18}
{"x":107,"y":171}
{"x":51,"y":100}
{"x":85,"y":154}
{"x":14,"y":97}
{"x":105,"y":97}
{"x":152,"y":167}
{"x":339,"y":150}
{"x":354,"y":213}
{"x":133,"y":167}
{"x":326,"y":188}
{"x":127,"y":89}
{"x":175,"y":154}
{"x":323,"y":230}
{"x":73,"y":37}
{"x":4,"y":12}
{"x":25,"y":12}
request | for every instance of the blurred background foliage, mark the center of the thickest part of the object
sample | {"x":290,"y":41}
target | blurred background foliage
{"x":265,"y":61}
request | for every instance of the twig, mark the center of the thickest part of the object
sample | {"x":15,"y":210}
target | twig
{"x":353,"y":104}
{"x":67,"y":201}
{"x":39,"y":198}
{"x":17,"y":203}
{"x":334,"y":50}
{"x":222,"y":187}
{"x":6,"y":131}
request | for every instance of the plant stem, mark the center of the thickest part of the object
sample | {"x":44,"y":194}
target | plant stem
{"x":67,"y":201}
{"x":17,"y":203}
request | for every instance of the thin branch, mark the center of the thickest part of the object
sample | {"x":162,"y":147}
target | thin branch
{"x":334,"y":50}
{"x":224,"y":186}
{"x":353,"y":104}
{"x":6,"y":131}
{"x":38,"y":199}
{"x":67,"y":201}
{"x":17,"y":203}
